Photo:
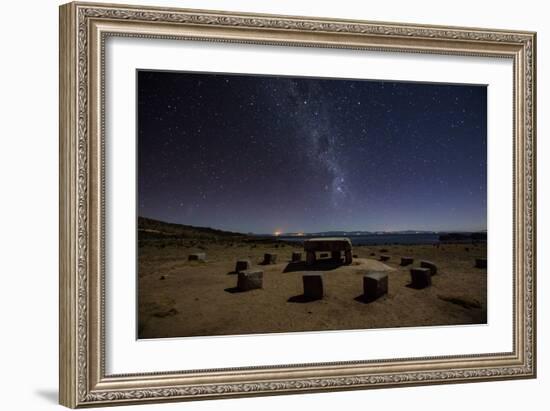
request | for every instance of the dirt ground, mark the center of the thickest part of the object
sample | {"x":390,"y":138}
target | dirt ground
{"x":180,"y":298}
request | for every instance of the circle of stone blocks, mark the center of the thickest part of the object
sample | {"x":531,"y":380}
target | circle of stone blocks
{"x":250,"y":280}
{"x":296,"y":257}
{"x":481,"y":263}
{"x":269,"y":258}
{"x":197,"y":257}
{"x":313,"y":286}
{"x":242,"y":265}
{"x":429,"y":265}
{"x":375,"y":285}
{"x":421,"y":277}
{"x":384,"y":257}
{"x":407,"y":260}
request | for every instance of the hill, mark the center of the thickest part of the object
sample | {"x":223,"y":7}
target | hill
{"x":149,"y":228}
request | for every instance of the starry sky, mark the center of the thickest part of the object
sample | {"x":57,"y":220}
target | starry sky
{"x":260,"y":154}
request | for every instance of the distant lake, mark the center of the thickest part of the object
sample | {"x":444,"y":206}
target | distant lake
{"x":382,"y":239}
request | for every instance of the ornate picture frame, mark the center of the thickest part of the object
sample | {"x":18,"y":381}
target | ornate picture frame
{"x":84,"y":28}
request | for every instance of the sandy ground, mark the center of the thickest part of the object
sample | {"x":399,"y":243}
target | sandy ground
{"x":178,"y":298}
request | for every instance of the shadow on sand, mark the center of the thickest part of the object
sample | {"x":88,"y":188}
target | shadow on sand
{"x":233,"y":290}
{"x":301,"y":299}
{"x":320,"y":265}
{"x":363,"y":299}
{"x":416,"y":287}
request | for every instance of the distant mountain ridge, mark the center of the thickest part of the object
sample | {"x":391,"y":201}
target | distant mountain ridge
{"x":149,"y":228}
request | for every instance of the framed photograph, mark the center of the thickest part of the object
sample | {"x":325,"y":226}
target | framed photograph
{"x":259,"y":204}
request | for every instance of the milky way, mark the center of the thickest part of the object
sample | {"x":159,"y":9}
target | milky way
{"x":264,"y":153}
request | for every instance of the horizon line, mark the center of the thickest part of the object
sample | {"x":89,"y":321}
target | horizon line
{"x":280,"y":232}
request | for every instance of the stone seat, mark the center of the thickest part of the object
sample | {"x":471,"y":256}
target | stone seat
{"x":242,"y":265}
{"x":250,"y":280}
{"x":421,"y":277}
{"x":197,"y":257}
{"x":375,"y":285}
{"x":269,"y":258}
{"x":313,"y":286}
{"x":407,"y":261}
{"x":431,"y":266}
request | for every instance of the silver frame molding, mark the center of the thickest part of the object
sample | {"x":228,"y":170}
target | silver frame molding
{"x":83,"y":30}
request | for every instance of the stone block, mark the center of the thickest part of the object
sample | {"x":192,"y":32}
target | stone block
{"x":250,"y":280}
{"x":375,"y":285}
{"x":407,"y":261}
{"x":313,"y":286}
{"x":431,"y":266}
{"x":421,"y":277}
{"x":197,"y":257}
{"x":242,"y":265}
{"x":269,"y":258}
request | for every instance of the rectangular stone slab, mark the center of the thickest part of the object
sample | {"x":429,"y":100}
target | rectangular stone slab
{"x":421,"y":277}
{"x":313,"y":286}
{"x":250,"y":280}
{"x":242,"y":265}
{"x":375,"y":285}
{"x":327,"y":244}
{"x":431,"y":266}
{"x":197,"y":257}
{"x":269,"y":258}
{"x":407,"y":260}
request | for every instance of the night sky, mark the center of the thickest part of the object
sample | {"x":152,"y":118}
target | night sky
{"x":267,"y":153}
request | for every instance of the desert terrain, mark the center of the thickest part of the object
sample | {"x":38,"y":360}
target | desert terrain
{"x":181,"y":298}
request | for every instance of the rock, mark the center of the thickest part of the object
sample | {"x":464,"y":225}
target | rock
{"x":375,"y":285}
{"x":269,"y":259}
{"x":481,"y":263}
{"x":421,"y":277}
{"x":310,"y":257}
{"x":296,"y":257}
{"x":431,"y":266}
{"x":384,"y":257}
{"x":313,"y":286}
{"x":242,"y":265}
{"x":250,"y":280}
{"x":197,"y":257}
{"x":347,"y":257}
{"x":407,"y":261}
{"x":331,"y":244}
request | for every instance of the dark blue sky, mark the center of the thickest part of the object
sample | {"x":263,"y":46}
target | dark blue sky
{"x":262,"y":153}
